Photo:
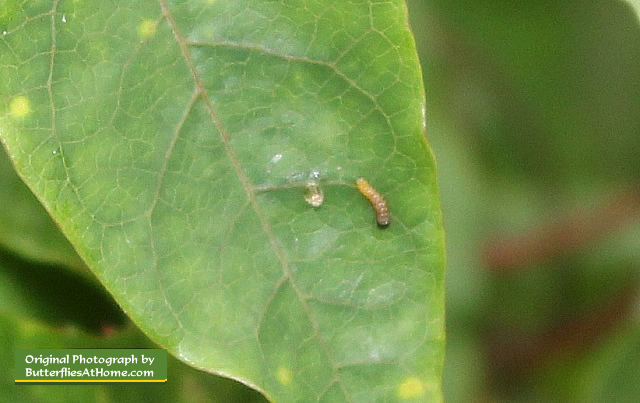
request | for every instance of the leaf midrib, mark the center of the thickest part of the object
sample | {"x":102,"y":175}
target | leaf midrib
{"x":266,"y":226}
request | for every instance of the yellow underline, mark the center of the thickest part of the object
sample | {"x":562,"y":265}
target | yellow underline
{"x":85,"y":380}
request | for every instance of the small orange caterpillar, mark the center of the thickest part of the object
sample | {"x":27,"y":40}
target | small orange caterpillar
{"x":377,"y":201}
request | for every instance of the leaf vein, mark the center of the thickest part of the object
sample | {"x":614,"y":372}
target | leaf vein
{"x":284,"y":261}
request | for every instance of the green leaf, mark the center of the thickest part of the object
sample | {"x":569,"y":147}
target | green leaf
{"x":173,"y":142}
{"x":26,"y":228}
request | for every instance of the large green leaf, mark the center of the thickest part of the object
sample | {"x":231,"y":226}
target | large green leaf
{"x":173,"y":141}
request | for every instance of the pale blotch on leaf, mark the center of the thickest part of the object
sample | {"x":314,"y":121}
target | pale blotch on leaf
{"x":313,"y":194}
{"x":147,"y":28}
{"x":276,"y":158}
{"x":20,"y":107}
{"x":411,"y":388}
{"x":284,"y":376}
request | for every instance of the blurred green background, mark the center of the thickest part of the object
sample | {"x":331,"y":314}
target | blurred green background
{"x":533,"y":111}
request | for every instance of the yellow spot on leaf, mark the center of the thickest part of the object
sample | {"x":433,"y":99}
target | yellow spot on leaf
{"x":411,"y":388}
{"x":20,"y":107}
{"x":284,"y":375}
{"x":147,"y":28}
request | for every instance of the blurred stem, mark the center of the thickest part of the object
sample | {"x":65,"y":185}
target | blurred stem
{"x":562,"y":236}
